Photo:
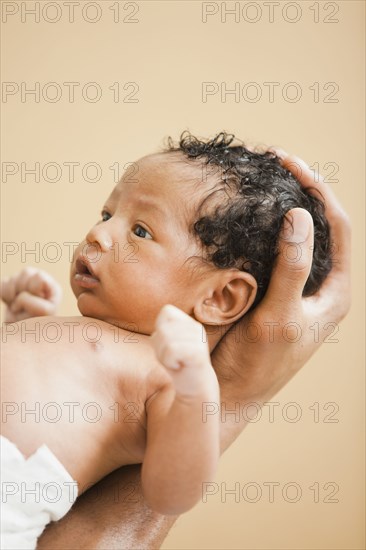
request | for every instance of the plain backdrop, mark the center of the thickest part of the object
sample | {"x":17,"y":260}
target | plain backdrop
{"x":142,"y":71}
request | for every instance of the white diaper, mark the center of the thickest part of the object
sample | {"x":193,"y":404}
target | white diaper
{"x":34,"y":491}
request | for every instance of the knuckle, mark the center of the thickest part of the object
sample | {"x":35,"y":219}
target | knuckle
{"x":28,"y":271}
{"x":19,"y":298}
{"x":294,"y":267}
{"x":37,"y":277}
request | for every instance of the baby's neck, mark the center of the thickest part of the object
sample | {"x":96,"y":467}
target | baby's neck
{"x":213,"y":335}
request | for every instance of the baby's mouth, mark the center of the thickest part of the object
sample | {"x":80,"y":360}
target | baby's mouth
{"x":84,"y":273}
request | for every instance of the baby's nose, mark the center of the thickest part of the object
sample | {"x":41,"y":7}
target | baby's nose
{"x":100,"y":237}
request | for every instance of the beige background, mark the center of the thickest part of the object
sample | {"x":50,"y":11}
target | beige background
{"x":169,"y":52}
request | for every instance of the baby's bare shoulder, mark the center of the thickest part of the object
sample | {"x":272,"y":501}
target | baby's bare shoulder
{"x":84,"y":342}
{"x":79,"y":330}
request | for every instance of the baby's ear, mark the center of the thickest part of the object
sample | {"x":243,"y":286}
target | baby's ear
{"x":229,"y":295}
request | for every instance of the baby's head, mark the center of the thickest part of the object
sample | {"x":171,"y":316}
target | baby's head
{"x":240,"y":227}
{"x":196,"y":226}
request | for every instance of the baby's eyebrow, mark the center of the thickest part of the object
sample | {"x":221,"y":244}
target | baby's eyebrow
{"x":143,"y":201}
{"x":150,"y":204}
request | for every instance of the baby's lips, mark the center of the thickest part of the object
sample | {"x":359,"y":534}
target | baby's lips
{"x":83,"y":267}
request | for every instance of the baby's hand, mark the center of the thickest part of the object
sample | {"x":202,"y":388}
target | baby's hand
{"x":180,"y":344}
{"x":30,"y":293}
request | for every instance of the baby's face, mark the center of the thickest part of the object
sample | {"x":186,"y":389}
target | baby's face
{"x":139,"y":249}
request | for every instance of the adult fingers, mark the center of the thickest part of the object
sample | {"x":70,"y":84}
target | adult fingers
{"x":310,"y":179}
{"x":293,"y":263}
{"x":334,"y":295}
{"x":338,"y":220}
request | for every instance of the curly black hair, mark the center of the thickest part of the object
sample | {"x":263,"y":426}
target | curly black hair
{"x":242,"y":230}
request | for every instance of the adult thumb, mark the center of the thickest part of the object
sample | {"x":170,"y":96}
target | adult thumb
{"x":294,"y":260}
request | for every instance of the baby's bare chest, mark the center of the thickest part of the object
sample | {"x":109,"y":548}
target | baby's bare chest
{"x":83,"y":400}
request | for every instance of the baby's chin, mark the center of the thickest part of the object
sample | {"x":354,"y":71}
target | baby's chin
{"x":87,"y":308}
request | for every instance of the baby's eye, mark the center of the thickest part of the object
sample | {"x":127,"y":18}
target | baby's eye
{"x":141,"y":232}
{"x":105,"y":216}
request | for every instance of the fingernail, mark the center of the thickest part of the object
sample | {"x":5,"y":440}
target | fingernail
{"x":279,"y":152}
{"x":300,"y":162}
{"x":297,"y":226}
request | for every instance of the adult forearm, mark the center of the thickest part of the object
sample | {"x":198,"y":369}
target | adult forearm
{"x":111,"y":515}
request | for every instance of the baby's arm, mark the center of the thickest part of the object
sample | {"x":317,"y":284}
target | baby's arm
{"x":183,"y":447}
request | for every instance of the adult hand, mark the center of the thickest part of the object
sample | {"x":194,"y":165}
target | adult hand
{"x":265,"y":348}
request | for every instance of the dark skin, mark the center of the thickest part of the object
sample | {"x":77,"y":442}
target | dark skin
{"x":113,"y":513}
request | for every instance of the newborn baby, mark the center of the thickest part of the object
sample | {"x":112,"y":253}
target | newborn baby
{"x":196,"y":227}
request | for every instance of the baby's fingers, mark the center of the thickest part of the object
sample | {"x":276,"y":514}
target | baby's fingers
{"x":43,"y":285}
{"x":22,"y":279}
{"x":34,"y":306}
{"x":7,"y":290}
{"x":178,"y":339}
{"x":15,"y":317}
{"x":11,"y":286}
{"x":167,"y":353}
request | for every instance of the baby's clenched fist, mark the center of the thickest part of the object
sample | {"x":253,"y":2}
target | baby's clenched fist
{"x":180,"y":344}
{"x":30,"y":293}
